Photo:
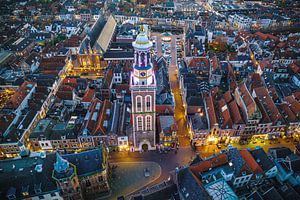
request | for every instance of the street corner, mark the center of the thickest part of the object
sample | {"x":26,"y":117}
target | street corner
{"x":129,"y":177}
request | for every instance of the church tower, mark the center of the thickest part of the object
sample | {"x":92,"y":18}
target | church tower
{"x":66,"y":178}
{"x":143,"y":94}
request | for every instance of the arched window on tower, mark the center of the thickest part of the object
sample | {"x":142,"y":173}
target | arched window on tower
{"x":142,"y":59}
{"x":138,"y":103}
{"x":148,"y":103}
{"x":139,"y":124}
{"x":148,"y":123}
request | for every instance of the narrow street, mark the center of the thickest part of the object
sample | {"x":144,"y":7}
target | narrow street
{"x":180,"y":116}
{"x":179,"y":112}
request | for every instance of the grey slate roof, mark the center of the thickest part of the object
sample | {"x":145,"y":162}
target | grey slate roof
{"x":255,"y":196}
{"x":86,"y":162}
{"x":235,"y":157}
{"x":279,"y":152}
{"x":272,"y":194}
{"x":262,"y":159}
{"x":19,"y":175}
{"x":189,"y":187}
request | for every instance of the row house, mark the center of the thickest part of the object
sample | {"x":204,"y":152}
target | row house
{"x":291,"y":113}
{"x":198,"y":124}
{"x":249,"y":110}
{"x":167,"y":131}
{"x":50,"y":135}
{"x":240,"y":21}
{"x":55,"y":176}
{"x":215,"y":73}
{"x":16,"y":120}
{"x":234,"y":169}
{"x":22,"y":46}
{"x":100,"y":124}
{"x":31,"y":63}
{"x":287,"y":164}
{"x":275,"y":125}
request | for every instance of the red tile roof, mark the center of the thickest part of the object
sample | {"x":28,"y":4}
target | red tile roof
{"x":290,"y":99}
{"x":294,"y":67}
{"x":235,"y":113}
{"x":265,"y":64}
{"x":73,"y":41}
{"x":256,"y":81}
{"x":205,"y":165}
{"x":102,"y":117}
{"x":295,"y":107}
{"x":263,"y":36}
{"x":90,"y":123}
{"x":297,"y":95}
{"x":214,"y":91}
{"x":268,"y":104}
{"x":273,"y":93}
{"x":65,"y":92}
{"x":224,"y":112}
{"x":70,"y":81}
{"x":199,"y":63}
{"x":227,"y":96}
{"x":52,"y":63}
{"x":17,"y":98}
{"x":281,"y":44}
{"x":109,"y":76}
{"x":287,"y":112}
{"x":211,"y":111}
{"x":255,"y":168}
{"x":247,"y":98}
{"x":88,"y":95}
{"x":215,"y":63}
{"x":164,"y":109}
{"x":122,"y":87}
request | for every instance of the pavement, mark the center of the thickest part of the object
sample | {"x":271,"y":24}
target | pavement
{"x":129,"y":177}
{"x":209,"y":150}
{"x":167,"y":161}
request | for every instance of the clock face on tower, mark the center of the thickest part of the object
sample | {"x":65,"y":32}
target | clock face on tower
{"x":143,"y":74}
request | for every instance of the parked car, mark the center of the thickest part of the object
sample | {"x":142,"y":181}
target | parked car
{"x":146,"y":172}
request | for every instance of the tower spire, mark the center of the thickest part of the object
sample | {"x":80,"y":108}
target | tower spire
{"x":61,"y":164}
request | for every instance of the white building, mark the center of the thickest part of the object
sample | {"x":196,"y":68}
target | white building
{"x":143,"y":93}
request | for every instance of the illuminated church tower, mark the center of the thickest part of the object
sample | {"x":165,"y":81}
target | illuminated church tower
{"x":143,"y":91}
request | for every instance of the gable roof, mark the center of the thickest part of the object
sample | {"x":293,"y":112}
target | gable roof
{"x":238,"y":162}
{"x":88,"y":95}
{"x":190,"y":186}
{"x":262,"y":159}
{"x":211,"y":111}
{"x":205,"y":165}
{"x":255,"y":168}
{"x":87,"y":162}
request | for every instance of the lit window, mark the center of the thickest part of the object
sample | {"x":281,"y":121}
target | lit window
{"x":138,"y":104}
{"x":139,"y":123}
{"x":148,"y":103}
{"x":148,"y":123}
